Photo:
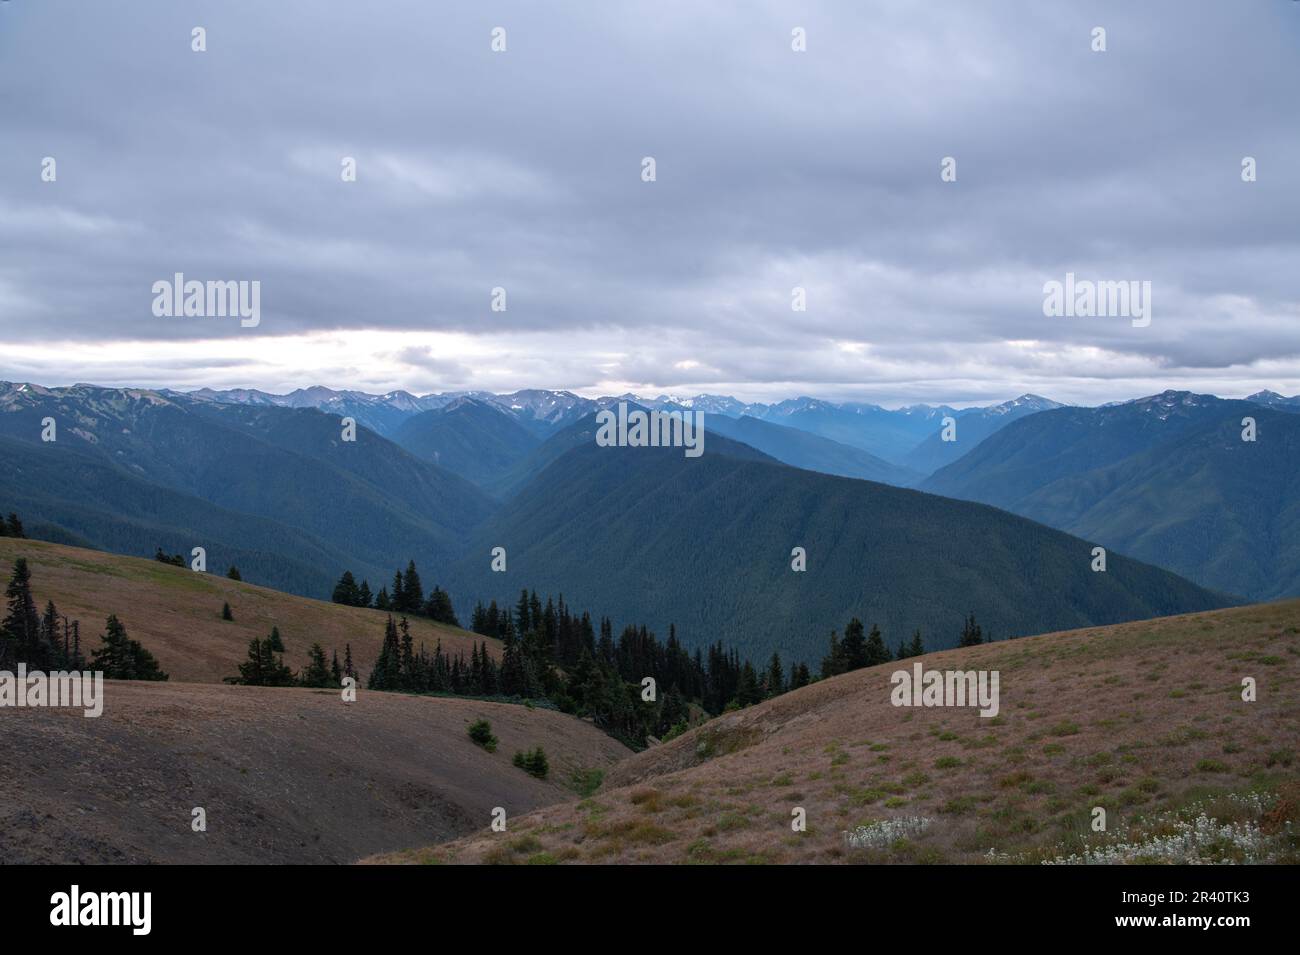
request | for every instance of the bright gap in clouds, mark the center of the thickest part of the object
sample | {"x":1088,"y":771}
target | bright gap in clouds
{"x":424,"y":362}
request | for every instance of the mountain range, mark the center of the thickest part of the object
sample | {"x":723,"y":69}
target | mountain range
{"x":907,"y":438}
{"x":1169,"y":479}
{"x":1193,"y":516}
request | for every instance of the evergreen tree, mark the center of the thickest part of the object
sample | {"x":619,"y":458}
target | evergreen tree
{"x":971,"y":634}
{"x":439,"y":607}
{"x":383,"y":601}
{"x":833,"y":662}
{"x":263,"y":667}
{"x":407,"y":678}
{"x":348,"y":668}
{"x":114,"y":657}
{"x":277,"y":644}
{"x":233,"y":573}
{"x":916,"y":648}
{"x":533,"y":762}
{"x":345,"y":591}
{"x":480,"y":731}
{"x":336,"y":671}
{"x":854,"y":646}
{"x":20,"y":629}
{"x":398,"y":597}
{"x":522,"y":619}
{"x":875,"y":650}
{"x":386,"y":674}
{"x":748,"y":692}
{"x":775,"y":679}
{"x":225,"y":612}
{"x":317,"y":672}
{"x":364,"y":597}
{"x":412,"y":592}
{"x":122,"y":658}
{"x":14,"y":527}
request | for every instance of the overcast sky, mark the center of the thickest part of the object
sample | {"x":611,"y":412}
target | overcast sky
{"x":523,"y":169}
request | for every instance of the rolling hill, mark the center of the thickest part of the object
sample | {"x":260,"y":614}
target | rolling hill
{"x":1166,"y":479}
{"x":284,"y":775}
{"x":1145,"y":720}
{"x":646,"y":535}
{"x":176,"y":612}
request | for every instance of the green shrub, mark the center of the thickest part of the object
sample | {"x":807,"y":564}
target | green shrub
{"x":534,"y":763}
{"x":481,"y":733}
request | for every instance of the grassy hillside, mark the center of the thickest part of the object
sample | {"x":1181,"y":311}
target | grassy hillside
{"x":1145,"y":720}
{"x":284,"y":775}
{"x":176,"y":613}
{"x":647,"y":535}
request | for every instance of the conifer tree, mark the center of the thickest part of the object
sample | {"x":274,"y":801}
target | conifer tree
{"x":439,"y":607}
{"x":20,"y":629}
{"x":412,"y":591}
{"x":833,"y":662}
{"x":775,"y":679}
{"x":233,"y":573}
{"x":875,"y":651}
{"x":225,"y":612}
{"x":317,"y":671}
{"x":748,"y":692}
{"x":386,"y":674}
{"x":122,"y":658}
{"x":336,"y":671}
{"x":345,"y":591}
{"x":917,"y":647}
{"x":971,"y":634}
{"x":277,"y":644}
{"x":854,"y":646}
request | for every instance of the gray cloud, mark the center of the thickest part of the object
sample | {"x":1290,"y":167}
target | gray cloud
{"x":775,"y":169}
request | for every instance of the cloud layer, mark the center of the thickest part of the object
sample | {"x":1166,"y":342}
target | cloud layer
{"x":775,"y":169}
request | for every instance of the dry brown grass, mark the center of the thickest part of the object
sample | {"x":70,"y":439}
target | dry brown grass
{"x":176,"y":613}
{"x":1135,"y":718}
{"x":285,"y":775}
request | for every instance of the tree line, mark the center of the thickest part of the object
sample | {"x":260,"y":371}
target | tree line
{"x":263,"y":668}
{"x":549,"y":651}
{"x":407,"y":596}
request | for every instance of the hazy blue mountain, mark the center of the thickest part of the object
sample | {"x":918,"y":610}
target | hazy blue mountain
{"x":803,"y":449}
{"x":890,"y":435}
{"x":1166,"y":479}
{"x":973,"y":425}
{"x":646,"y":534}
{"x":886,"y":434}
{"x":472,"y":438}
{"x":368,"y":502}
